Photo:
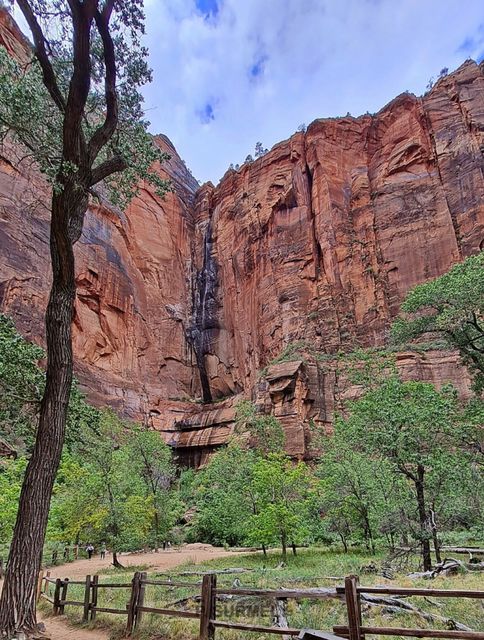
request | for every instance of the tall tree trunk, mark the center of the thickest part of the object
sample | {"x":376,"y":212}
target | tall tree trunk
{"x":294,"y":551}
{"x":422,"y":516}
{"x":18,"y":601}
{"x":344,"y":542}
{"x":284,"y":545}
{"x":157,"y":529}
{"x":116,"y":562}
{"x":435,"y":535}
{"x":369,"y":532}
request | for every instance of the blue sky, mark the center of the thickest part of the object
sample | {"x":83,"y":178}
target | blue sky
{"x":228,"y":73}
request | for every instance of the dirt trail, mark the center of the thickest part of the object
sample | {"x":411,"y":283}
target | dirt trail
{"x":161,"y":561}
{"x":59,"y":629}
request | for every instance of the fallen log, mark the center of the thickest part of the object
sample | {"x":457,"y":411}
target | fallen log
{"x":447,"y":566}
{"x":394,"y":605}
{"x":217,"y":572}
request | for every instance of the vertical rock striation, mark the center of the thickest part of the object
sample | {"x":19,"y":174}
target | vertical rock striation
{"x":315,"y":243}
{"x":320,"y":240}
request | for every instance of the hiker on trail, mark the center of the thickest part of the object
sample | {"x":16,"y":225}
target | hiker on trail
{"x":103,"y":550}
{"x":90,"y":550}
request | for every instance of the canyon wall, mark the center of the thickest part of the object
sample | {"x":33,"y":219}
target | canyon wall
{"x":183,"y":301}
{"x":317,"y":243}
{"x":321,"y":238}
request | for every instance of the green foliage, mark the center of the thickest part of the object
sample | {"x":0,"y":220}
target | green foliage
{"x":22,"y":383}
{"x":366,"y":367}
{"x":451,"y":306}
{"x":359,"y":494}
{"x":21,"y":386}
{"x":253,"y":497}
{"x":292,"y":351}
{"x":31,"y":112}
{"x":11,"y":476}
{"x":417,"y":434}
{"x":223,"y":500}
{"x":266,"y":432}
{"x":117,"y":488}
{"x":281,"y":492}
{"x":116,"y":481}
{"x":153,"y":460}
{"x":406,"y":422}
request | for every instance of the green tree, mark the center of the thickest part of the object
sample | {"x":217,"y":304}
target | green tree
{"x":265,"y":431}
{"x":11,"y":475}
{"x":75,"y":515}
{"x":259,"y":150}
{"x":223,"y":500}
{"x":452,"y":307}
{"x":415,"y":428}
{"x":154,"y":460}
{"x":21,"y":386}
{"x":281,"y":491}
{"x":22,"y":382}
{"x":75,"y":109}
{"x":350,"y":491}
{"x":123,"y":510}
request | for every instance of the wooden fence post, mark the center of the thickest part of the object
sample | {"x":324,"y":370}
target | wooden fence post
{"x":141,"y":599}
{"x":87,"y":599}
{"x":63,"y":598}
{"x":46,"y":584}
{"x":57,"y":590}
{"x":353,"y":607}
{"x":95,"y":582}
{"x":208,"y":609}
{"x":40,"y":584}
{"x":133,"y":603}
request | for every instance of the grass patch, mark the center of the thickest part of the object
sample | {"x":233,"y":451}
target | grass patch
{"x":312,"y":567}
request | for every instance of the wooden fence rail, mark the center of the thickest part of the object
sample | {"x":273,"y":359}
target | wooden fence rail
{"x":207,"y":615}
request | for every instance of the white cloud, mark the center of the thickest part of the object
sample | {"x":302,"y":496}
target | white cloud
{"x":309,"y":59}
{"x":313,"y":58}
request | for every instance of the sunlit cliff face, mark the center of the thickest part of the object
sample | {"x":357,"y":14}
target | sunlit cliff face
{"x":188,"y":298}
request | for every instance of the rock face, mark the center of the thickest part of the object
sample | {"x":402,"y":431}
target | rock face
{"x":315,"y":243}
{"x":320,"y":239}
{"x":133,"y":287}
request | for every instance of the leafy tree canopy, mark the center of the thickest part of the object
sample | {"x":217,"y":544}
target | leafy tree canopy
{"x":22,"y":382}
{"x":421,"y":434}
{"x":451,"y":306}
{"x":35,"y":97}
{"x":282,"y":492}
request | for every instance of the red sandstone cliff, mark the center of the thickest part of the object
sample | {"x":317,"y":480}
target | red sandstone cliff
{"x":318,"y":241}
{"x":321,"y":238}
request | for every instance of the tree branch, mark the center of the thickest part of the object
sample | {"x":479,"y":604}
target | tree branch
{"x":103,"y":133}
{"x":73,"y":138}
{"x":48,"y":74}
{"x":107,"y":168}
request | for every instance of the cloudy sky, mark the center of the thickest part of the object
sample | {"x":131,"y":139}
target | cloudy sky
{"x":228,"y":73}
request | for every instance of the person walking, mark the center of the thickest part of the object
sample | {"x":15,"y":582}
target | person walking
{"x":90,"y":550}
{"x":103,"y":550}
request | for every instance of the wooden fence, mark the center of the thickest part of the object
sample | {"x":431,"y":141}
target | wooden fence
{"x":350,"y":593}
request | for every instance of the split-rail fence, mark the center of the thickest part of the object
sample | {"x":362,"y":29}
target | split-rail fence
{"x":209,"y":592}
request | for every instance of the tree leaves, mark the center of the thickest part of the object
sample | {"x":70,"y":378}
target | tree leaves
{"x":451,"y":306}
